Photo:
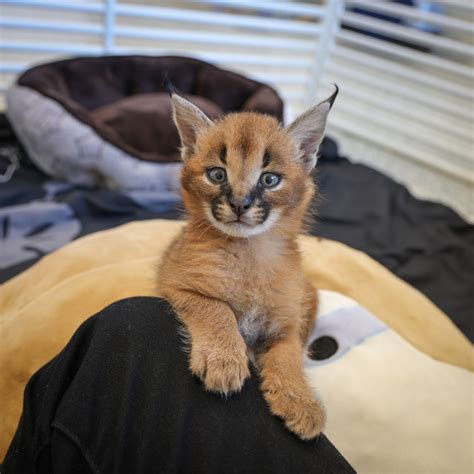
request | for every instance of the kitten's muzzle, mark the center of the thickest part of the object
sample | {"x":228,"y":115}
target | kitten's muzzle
{"x":240,"y":206}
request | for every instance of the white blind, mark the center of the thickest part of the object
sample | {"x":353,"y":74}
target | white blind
{"x":276,"y":42}
{"x":410,"y":90}
{"x":406,"y":101}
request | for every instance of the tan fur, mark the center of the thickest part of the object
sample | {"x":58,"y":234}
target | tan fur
{"x":235,"y":293}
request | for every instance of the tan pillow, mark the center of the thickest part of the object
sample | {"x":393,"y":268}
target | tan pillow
{"x":391,"y":408}
{"x":42,"y":307}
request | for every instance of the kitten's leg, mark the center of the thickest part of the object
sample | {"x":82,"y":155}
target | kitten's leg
{"x":310,"y":306}
{"x":285,"y":388}
{"x":218,"y":352}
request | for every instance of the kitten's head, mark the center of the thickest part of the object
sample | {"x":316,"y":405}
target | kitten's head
{"x":245,"y":173}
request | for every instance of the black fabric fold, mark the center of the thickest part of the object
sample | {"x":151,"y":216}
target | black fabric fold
{"x":120,"y":399}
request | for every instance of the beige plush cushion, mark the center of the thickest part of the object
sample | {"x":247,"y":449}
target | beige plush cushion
{"x":391,"y":408}
{"x":42,"y":307}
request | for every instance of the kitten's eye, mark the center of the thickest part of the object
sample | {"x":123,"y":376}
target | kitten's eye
{"x":217,"y":175}
{"x":270,"y":180}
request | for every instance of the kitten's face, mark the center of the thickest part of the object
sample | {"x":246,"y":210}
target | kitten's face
{"x":245,"y":173}
{"x":245,"y":176}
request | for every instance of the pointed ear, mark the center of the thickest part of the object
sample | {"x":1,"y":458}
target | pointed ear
{"x":308,"y":130}
{"x":189,"y":120}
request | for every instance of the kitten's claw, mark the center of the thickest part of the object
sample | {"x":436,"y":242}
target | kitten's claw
{"x":302,"y":414}
{"x":221,"y":370}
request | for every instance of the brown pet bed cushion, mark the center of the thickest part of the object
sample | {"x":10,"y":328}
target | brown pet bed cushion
{"x":142,"y":122}
{"x":124,"y":99}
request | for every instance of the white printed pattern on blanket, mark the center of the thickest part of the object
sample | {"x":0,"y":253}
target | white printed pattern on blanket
{"x":33,"y":229}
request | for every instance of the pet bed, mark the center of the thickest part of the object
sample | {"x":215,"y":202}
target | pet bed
{"x":107,"y":121}
{"x":370,"y":422}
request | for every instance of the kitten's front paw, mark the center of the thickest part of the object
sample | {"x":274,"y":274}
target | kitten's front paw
{"x":222,"y":370}
{"x":302,"y":414}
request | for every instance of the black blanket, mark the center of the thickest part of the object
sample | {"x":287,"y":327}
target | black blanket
{"x":424,"y":243}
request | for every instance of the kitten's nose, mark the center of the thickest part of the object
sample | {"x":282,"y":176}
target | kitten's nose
{"x":240,"y":206}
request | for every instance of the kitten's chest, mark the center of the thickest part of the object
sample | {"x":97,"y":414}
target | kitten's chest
{"x":252,"y":284}
{"x":252,"y":323}
{"x":252,"y":312}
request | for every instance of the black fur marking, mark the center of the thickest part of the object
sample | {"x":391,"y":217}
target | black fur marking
{"x":223,"y":155}
{"x":215,"y":207}
{"x":255,"y":194}
{"x":259,"y":189}
{"x":267,"y":159}
{"x":265,"y":207}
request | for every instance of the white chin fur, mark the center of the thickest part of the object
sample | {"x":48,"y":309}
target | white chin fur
{"x":236,"y":229}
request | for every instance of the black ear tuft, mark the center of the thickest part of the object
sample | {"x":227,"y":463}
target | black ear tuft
{"x":168,"y":85}
{"x":190,"y":121}
{"x":332,"y":99}
{"x":308,"y":130}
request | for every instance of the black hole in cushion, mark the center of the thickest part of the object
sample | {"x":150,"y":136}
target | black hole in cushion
{"x":322,"y":348}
